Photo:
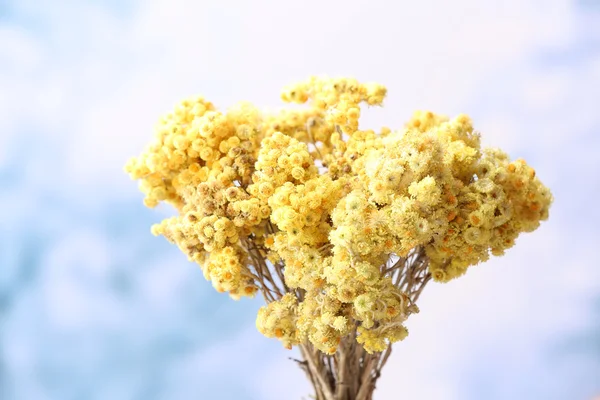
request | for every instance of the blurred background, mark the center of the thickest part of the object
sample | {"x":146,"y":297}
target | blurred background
{"x":92,"y":306}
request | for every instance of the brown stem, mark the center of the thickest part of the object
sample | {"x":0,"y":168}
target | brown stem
{"x":343,"y":377}
{"x":319,"y":372}
{"x":365,"y":381}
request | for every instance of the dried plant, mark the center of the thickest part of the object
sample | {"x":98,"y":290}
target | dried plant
{"x":339,"y":228}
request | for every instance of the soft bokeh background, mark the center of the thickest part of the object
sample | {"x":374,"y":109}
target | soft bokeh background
{"x":92,"y":306}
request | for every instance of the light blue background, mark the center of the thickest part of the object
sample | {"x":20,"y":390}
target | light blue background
{"x":92,"y":306}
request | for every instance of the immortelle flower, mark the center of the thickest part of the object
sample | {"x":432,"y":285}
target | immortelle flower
{"x":339,"y":228}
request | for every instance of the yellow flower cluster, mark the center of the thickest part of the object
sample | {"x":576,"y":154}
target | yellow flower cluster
{"x":227,"y":270}
{"x":310,"y":210}
{"x":339,"y":99}
{"x":278,"y":320}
